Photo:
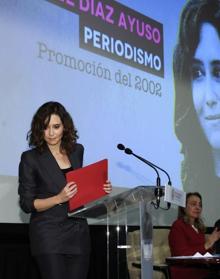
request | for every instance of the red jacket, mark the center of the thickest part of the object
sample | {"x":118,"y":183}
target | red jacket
{"x":185,"y":241}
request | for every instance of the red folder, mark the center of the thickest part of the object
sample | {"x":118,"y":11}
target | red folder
{"x":89,"y":180}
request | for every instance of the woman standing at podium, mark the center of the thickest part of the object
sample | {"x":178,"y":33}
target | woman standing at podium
{"x":60,"y":245}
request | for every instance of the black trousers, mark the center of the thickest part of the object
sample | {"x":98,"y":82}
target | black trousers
{"x":60,"y":266}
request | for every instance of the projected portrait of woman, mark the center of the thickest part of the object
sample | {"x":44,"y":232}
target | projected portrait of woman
{"x":196,"y":68}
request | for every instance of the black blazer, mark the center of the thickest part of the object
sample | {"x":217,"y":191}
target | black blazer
{"x":51,"y":231}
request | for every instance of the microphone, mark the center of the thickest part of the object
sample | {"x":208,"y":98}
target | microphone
{"x":158,"y":191}
{"x":129,"y":151}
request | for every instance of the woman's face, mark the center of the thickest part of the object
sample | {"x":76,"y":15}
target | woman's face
{"x":193,"y":208}
{"x":54,"y":131}
{"x":206,"y":83}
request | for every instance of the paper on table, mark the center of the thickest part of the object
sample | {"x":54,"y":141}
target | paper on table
{"x":195,"y":256}
{"x":198,"y":255}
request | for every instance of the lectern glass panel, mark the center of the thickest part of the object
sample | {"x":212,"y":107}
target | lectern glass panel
{"x":126,"y":211}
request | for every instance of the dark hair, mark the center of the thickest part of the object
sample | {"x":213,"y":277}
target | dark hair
{"x":196,"y":150}
{"x":182,"y":213}
{"x":40,"y":121}
{"x":217,"y":224}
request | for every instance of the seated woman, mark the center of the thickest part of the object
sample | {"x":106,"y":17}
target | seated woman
{"x":187,"y":236}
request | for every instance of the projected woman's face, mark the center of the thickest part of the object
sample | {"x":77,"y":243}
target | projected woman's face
{"x":206,"y":83}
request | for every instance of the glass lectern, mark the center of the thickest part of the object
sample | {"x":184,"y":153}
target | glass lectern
{"x":126,"y":209}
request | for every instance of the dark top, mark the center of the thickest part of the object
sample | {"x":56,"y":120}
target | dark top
{"x":65,"y":171}
{"x":217,"y":243}
{"x":51,"y":231}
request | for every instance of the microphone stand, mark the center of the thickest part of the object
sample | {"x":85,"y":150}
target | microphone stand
{"x":158,"y":192}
